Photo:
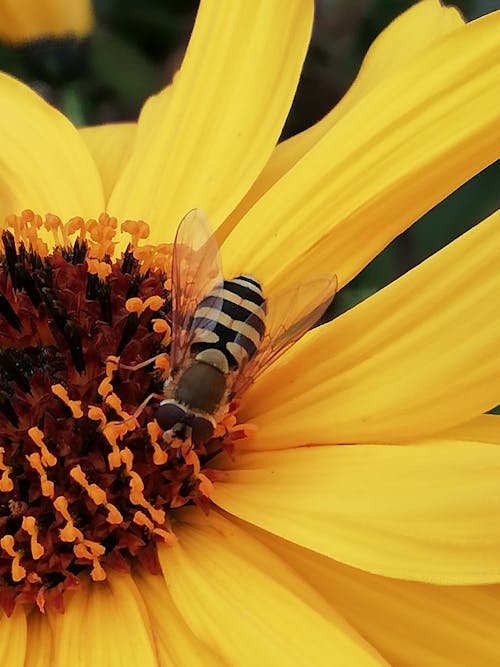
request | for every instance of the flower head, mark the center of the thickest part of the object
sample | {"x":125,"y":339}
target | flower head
{"x":297,"y":531}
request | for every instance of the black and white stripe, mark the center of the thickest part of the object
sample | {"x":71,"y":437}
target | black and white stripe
{"x":231,"y":319}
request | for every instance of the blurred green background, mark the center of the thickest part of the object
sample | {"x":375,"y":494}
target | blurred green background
{"x":136,"y":48}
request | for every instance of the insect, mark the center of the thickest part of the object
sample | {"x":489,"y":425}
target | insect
{"x":225,"y":333}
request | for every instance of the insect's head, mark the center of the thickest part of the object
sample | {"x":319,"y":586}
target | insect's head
{"x":171,"y":414}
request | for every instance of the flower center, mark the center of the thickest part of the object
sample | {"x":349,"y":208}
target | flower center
{"x":86,"y":480}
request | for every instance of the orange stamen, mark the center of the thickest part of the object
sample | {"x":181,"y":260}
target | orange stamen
{"x":159,"y":455}
{"x":96,"y":414}
{"x":97,"y":494}
{"x":96,"y":267}
{"x":138,"y":229}
{"x":105,"y":388}
{"x":134,"y":305}
{"x":75,"y":406}
{"x":35,"y":461}
{"x":112,"y":432}
{"x":17,"y":570}
{"x":6,"y":484}
{"x":29,"y":525}
{"x":69,"y":533}
{"x":137,"y":487}
{"x":48,"y":459}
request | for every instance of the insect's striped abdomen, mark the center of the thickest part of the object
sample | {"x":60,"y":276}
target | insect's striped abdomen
{"x":231,"y":319}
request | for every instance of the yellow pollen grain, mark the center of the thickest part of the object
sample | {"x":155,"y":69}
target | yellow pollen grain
{"x":35,"y":461}
{"x":18,"y":572}
{"x":48,"y":459}
{"x":75,"y":406}
{"x":29,"y":525}
{"x":6,"y":484}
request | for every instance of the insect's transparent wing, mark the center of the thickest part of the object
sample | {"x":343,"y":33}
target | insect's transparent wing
{"x":196,"y":270}
{"x":289,"y":315}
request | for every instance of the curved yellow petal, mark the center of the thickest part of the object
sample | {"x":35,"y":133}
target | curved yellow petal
{"x":485,"y":428}
{"x":104,"y":624}
{"x":24,"y":20}
{"x":247,"y":605}
{"x":413,"y":139}
{"x":176,"y":643}
{"x":223,"y":117}
{"x":110,"y":146}
{"x":13,"y":636}
{"x":40,"y":643}
{"x":428,"y":511}
{"x":44,"y":163}
{"x":410,"y":623}
{"x":418,"y":357}
{"x":402,"y":41}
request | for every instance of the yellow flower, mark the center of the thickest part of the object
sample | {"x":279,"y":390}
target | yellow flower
{"x":360,"y":525}
{"x":24,"y":21}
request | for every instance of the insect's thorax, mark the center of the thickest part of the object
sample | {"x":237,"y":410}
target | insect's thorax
{"x":229,"y":324}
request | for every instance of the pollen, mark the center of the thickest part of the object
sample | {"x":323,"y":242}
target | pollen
{"x":88,"y":480}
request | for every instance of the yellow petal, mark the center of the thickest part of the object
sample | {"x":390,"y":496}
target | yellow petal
{"x":485,"y":428}
{"x":412,"y":140}
{"x":104,"y":624}
{"x":223,"y":116}
{"x":418,"y":357}
{"x":44,"y":163}
{"x":248,"y":605}
{"x":427,"y":511}
{"x":24,"y":20}
{"x":402,"y":41}
{"x":40,"y":643}
{"x":410,"y":623}
{"x":176,"y":643}
{"x":13,"y":635}
{"x":110,"y":146}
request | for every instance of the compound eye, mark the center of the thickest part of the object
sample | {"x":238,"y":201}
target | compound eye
{"x":202,"y":430}
{"x":170,"y":414}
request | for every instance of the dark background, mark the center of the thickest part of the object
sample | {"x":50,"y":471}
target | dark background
{"x":135,"y":49}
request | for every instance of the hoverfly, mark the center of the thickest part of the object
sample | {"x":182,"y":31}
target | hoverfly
{"x":225,"y":333}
